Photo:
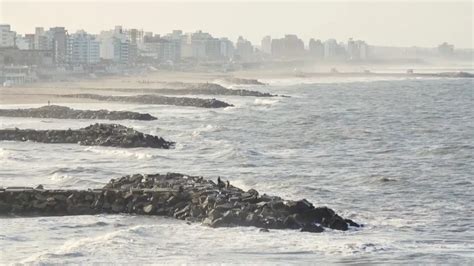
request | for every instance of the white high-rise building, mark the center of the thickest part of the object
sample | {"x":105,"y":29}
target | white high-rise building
{"x":330,"y":49}
{"x":43,"y":40}
{"x":23,"y":42}
{"x":227,"y":48}
{"x":115,"y":45}
{"x":7,"y":36}
{"x":244,"y":49}
{"x":82,"y":49}
{"x":357,"y":50}
{"x":267,"y":45}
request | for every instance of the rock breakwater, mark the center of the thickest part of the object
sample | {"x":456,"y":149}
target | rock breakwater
{"x":190,"y":198}
{"x":63,"y":112}
{"x":95,"y":135}
{"x":200,"y":89}
{"x":154,"y":99}
{"x":241,"y":81}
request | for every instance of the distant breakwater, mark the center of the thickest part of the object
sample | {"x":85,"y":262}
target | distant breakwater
{"x":190,"y":198}
{"x":63,"y":112}
{"x":154,"y":99}
{"x":95,"y":135}
{"x":409,"y":74}
{"x":242,"y":81}
{"x":198,"y":89}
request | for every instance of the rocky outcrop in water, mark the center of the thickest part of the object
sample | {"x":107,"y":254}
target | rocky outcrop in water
{"x":154,"y":99}
{"x":63,"y":112}
{"x":200,"y":89}
{"x":190,"y":198}
{"x":95,"y":135}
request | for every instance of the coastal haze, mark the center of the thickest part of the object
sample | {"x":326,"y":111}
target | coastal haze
{"x":363,"y":107}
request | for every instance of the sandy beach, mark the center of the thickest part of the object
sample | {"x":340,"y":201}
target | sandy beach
{"x":42,"y":92}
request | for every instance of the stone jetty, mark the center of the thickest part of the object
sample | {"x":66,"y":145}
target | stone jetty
{"x":200,"y":89}
{"x":94,"y":135}
{"x":241,"y":81}
{"x":154,"y":99}
{"x":190,"y":198}
{"x":63,"y":112}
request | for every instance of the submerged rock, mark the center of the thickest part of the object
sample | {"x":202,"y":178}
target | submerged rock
{"x":154,"y":99}
{"x":189,"y":198}
{"x":63,"y":112}
{"x":94,"y":135}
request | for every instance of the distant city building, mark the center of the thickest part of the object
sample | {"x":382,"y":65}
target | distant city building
{"x":288,"y":47}
{"x":201,"y":46}
{"x":332,"y":50}
{"x":267,"y":45}
{"x":357,"y":50}
{"x":227,"y":48}
{"x":15,"y":56}
{"x":7,"y":36}
{"x":115,"y":45}
{"x":30,"y":39}
{"x":82,"y":49}
{"x":135,"y":37}
{"x":42,"y":40}
{"x":244,"y":49}
{"x":58,"y":36}
{"x":175,"y":37}
{"x":446,"y":49}
{"x":160,"y":49}
{"x":316,"y":49}
{"x":25,"y":42}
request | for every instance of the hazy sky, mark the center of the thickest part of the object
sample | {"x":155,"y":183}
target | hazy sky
{"x":400,"y":23}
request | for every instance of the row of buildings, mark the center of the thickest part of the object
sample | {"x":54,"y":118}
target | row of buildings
{"x":291,"y":47}
{"x":128,"y":46}
{"x":119,"y":46}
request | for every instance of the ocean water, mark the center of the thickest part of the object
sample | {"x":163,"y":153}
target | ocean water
{"x":395,"y":155}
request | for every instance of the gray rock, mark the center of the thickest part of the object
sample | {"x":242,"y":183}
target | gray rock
{"x":154,"y":99}
{"x":63,"y":112}
{"x":95,"y":135}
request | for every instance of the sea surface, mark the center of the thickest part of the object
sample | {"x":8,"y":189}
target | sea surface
{"x":395,"y":155}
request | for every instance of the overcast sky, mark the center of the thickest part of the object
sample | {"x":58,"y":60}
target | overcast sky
{"x":401,"y":23}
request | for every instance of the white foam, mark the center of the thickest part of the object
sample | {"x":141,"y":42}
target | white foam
{"x":265,"y":102}
{"x":139,"y":155}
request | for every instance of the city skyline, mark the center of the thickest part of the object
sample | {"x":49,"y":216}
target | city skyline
{"x":434,"y":29}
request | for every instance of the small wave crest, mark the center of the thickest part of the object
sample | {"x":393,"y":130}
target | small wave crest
{"x":66,"y":180}
{"x":139,"y":155}
{"x":9,"y":155}
{"x":265,"y":102}
{"x":207,"y":128}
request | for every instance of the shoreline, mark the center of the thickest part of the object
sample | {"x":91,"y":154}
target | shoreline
{"x":42,"y":92}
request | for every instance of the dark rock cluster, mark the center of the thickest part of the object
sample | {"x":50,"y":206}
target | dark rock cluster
{"x":154,"y":99}
{"x":190,"y":198}
{"x":94,"y":135}
{"x":241,"y":81}
{"x":63,"y":112}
